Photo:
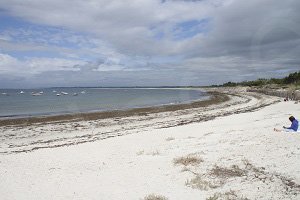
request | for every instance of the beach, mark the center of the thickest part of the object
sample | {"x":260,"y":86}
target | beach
{"x":225,"y":150}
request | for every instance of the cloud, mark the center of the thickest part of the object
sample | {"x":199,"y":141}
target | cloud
{"x":30,"y":66}
{"x":127,"y":26}
{"x":202,"y":41}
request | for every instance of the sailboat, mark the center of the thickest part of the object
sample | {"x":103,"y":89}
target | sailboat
{"x":36,"y":94}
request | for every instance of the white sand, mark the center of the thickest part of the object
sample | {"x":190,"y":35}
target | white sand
{"x":140,"y":162}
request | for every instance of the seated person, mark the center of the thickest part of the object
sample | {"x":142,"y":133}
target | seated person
{"x":292,"y":128}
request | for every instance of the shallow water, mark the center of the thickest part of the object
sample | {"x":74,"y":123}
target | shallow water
{"x":15,"y":104}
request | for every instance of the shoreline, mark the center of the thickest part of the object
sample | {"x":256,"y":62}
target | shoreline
{"x":39,"y":133}
{"x":226,"y":151}
{"x":214,"y":98}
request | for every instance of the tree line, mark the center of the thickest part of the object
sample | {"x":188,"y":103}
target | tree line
{"x":291,"y":79}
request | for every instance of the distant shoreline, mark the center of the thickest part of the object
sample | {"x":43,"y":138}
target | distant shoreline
{"x":129,"y":87}
{"x":216,"y":98}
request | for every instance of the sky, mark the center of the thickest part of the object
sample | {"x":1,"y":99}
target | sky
{"x":49,"y":43}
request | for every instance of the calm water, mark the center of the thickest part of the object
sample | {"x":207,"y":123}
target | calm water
{"x":15,"y":104}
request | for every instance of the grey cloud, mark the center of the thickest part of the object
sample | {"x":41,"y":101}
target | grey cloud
{"x":246,"y":39}
{"x":244,"y":25}
{"x":125,"y":25}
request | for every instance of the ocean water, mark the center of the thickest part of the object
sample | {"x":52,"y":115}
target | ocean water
{"x":13,"y":103}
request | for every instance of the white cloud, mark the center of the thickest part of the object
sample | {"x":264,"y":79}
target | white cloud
{"x":130,"y":26}
{"x":105,"y":67}
{"x":38,"y":65}
{"x":113,"y":36}
{"x":125,"y":25}
{"x":5,"y":37}
{"x":30,"y":66}
{"x":7,"y":62}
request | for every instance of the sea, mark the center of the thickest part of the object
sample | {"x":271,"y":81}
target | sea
{"x":15,"y":103}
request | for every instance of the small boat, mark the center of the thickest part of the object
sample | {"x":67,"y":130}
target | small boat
{"x":22,"y":92}
{"x":36,"y":94}
{"x":64,"y":93}
{"x":57,"y":94}
{"x":75,"y":94}
{"x":4,"y":93}
{"x":41,"y":92}
{"x":82,"y":92}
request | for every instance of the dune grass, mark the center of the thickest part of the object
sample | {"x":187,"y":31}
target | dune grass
{"x":187,"y":160}
{"x":155,"y":197}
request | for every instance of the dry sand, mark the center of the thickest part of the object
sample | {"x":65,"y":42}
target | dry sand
{"x":224,"y":151}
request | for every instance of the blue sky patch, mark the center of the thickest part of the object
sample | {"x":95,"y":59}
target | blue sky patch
{"x":50,"y":39}
{"x":190,"y":28}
